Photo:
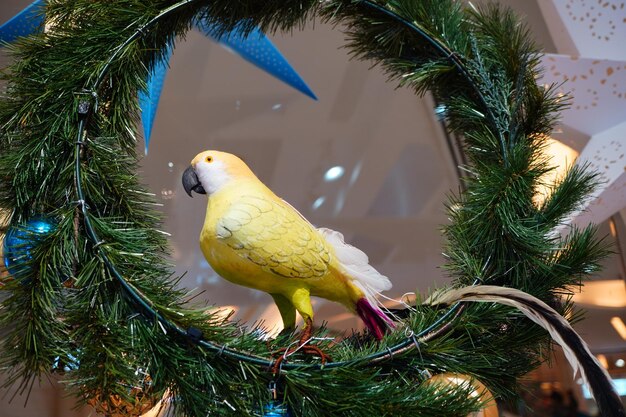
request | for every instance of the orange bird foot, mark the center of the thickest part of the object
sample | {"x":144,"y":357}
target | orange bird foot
{"x":304,"y":346}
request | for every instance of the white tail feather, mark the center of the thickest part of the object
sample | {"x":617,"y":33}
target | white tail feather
{"x":502,"y":295}
{"x":354,"y":261}
{"x":356,"y":264}
{"x":576,"y":350}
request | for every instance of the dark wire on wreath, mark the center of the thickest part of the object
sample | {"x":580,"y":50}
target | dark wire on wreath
{"x":87,"y":108}
{"x":454,"y":60}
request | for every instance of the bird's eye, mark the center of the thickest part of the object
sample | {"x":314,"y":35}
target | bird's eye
{"x":209,"y":159}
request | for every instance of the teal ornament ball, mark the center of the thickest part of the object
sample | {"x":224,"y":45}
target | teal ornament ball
{"x":276,"y":409}
{"x":19,"y":242}
{"x":65,"y":364}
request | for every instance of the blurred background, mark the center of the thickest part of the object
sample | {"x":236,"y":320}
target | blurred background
{"x":375,"y":163}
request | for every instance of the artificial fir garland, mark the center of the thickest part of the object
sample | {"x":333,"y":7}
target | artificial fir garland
{"x":67,"y":150}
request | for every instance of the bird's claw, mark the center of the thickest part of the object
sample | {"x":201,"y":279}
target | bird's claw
{"x":305,"y":348}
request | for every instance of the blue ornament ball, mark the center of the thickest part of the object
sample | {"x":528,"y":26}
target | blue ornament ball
{"x":276,"y":409}
{"x":65,"y":364}
{"x":20,"y":240}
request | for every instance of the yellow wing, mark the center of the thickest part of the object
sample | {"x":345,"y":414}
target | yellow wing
{"x":274,"y":236}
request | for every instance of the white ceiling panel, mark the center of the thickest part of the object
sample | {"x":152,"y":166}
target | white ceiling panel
{"x":597,"y":89}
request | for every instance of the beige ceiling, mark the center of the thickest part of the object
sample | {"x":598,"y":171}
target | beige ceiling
{"x":390,"y":202}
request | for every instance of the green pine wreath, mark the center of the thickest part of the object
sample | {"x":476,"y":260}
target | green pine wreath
{"x":99,"y":295}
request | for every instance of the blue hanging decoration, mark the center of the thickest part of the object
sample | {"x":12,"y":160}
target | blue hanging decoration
{"x":19,"y":242}
{"x":28,"y":21}
{"x":275,"y":408}
{"x":149,"y":99}
{"x":441,"y":112}
{"x":257,"y":49}
{"x":66,"y":364}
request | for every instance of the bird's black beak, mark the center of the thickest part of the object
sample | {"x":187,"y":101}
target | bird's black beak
{"x":191,"y":182}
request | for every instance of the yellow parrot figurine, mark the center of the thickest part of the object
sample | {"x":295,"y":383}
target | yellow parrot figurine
{"x":253,"y":238}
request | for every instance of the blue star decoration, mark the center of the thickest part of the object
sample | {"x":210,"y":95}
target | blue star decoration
{"x":254,"y":47}
{"x":258,"y":50}
{"x":28,"y":21}
{"x":149,"y":99}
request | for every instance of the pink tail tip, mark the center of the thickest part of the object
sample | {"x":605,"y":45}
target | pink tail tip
{"x":374,"y":318}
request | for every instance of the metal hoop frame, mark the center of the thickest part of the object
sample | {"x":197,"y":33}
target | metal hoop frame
{"x":87,"y":108}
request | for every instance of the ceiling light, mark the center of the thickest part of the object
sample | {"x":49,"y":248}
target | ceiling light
{"x":602,"y":293}
{"x":620,"y":363}
{"x":223,"y":313}
{"x":619,"y":326}
{"x":339,"y":203}
{"x":356,"y":172}
{"x":277,"y":106}
{"x":334,"y":173}
{"x":603,"y":361}
{"x":318,"y":203}
{"x":561,"y":158}
{"x":612,"y":227}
